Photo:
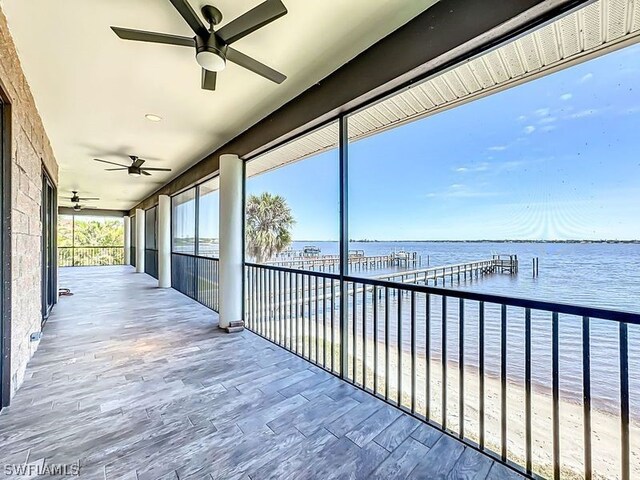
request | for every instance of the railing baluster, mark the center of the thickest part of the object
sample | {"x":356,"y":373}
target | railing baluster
{"x":624,"y":401}
{"x":444,"y":362}
{"x":281,"y":305}
{"x":503,"y":381}
{"x":310,"y":317}
{"x":324,"y":323}
{"x":364,"y":336}
{"x":302,"y":315}
{"x":297,"y":319}
{"x":586,"y":395}
{"x":556,"y":395}
{"x":354,"y":344}
{"x":290,"y":321}
{"x":386,"y":343}
{"x":374,"y":302}
{"x":481,"y":373}
{"x":333,"y":343}
{"x":317,"y":323}
{"x":461,"y":368}
{"x":527,"y":389}
{"x":427,"y":386}
{"x":414,"y":353}
{"x":399,"y":346}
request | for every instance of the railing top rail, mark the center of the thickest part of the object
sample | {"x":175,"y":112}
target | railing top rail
{"x":333,"y":276}
{"x":182,"y":254}
{"x":92,"y":246}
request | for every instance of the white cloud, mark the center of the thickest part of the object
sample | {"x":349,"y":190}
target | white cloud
{"x":529,"y":129}
{"x":548,"y":128}
{"x":541,"y":112}
{"x":547,"y":120}
{"x":462,"y":191}
{"x":566,"y":96}
{"x":522,"y":118}
{"x":479,"y":167}
{"x":498,"y":148}
{"x":586,"y":78}
{"x":584,"y":113}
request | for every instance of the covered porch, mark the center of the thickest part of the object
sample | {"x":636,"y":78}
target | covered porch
{"x":135,"y":381}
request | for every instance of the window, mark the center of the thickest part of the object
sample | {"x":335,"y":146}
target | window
{"x":208,"y":213}
{"x":151,"y":229}
{"x":183,"y":217}
{"x":293,"y":213}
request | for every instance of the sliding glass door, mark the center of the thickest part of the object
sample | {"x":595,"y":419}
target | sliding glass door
{"x":48,"y":246}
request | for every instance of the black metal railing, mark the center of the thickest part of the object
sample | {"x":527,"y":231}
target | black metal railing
{"x":196,"y":277}
{"x":465,"y":362}
{"x":151,"y":262}
{"x":90,"y":256}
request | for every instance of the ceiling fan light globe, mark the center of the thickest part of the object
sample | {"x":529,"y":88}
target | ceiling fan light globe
{"x":134,"y":173}
{"x":211,"y":60}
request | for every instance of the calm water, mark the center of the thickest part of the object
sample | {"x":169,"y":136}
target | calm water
{"x":598,"y":275}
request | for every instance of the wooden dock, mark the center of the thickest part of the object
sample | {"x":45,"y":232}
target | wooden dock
{"x":457,"y":272}
{"x":357,"y":262}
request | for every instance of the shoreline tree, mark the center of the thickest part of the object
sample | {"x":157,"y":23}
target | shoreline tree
{"x":269,"y":223}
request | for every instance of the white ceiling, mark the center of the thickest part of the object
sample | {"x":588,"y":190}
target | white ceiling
{"x":93,"y":89}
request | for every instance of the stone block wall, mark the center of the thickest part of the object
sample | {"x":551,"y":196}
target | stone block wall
{"x":30,"y":152}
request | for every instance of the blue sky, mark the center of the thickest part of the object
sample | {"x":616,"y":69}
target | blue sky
{"x":555,"y":158}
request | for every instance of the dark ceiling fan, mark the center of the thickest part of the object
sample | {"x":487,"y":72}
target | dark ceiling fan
{"x":212,"y":47}
{"x":135,"y":167}
{"x":77,"y":199}
{"x":78,"y":208}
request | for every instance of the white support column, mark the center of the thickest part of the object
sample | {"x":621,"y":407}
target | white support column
{"x":127,"y":240}
{"x":140,"y":217}
{"x":231,"y":241}
{"x":164,"y":241}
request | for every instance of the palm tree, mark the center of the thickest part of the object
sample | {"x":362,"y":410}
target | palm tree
{"x":269,"y":223}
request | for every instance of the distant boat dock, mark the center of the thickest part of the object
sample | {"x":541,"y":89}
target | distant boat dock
{"x":310,"y":259}
{"x":457,"y":272}
{"x":358,"y":261}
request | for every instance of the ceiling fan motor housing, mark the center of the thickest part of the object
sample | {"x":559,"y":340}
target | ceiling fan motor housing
{"x":211,"y":48}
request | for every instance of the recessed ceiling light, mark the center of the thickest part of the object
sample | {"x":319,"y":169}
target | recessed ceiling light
{"x":153,"y":118}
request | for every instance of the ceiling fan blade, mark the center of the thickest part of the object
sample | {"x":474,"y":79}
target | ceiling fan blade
{"x":157,"y":169}
{"x":208,"y":80}
{"x":153,"y":37}
{"x":137,"y":162}
{"x":144,"y":172}
{"x":255,"y":66}
{"x":185,"y":10}
{"x":112,"y":163}
{"x":251,"y":21}
{"x":114,"y":169}
{"x":82,"y":199}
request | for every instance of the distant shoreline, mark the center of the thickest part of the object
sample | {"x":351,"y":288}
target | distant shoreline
{"x":478,"y":241}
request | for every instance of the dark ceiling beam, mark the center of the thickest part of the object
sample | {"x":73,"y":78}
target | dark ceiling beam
{"x":442,"y":36}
